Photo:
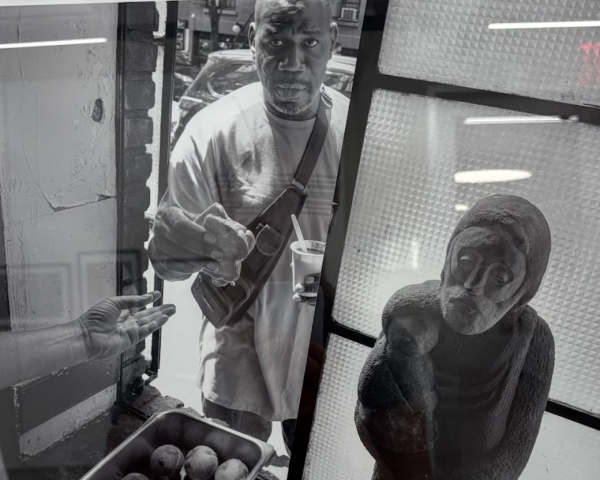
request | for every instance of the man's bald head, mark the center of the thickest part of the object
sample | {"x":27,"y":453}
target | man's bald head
{"x":269,"y":8}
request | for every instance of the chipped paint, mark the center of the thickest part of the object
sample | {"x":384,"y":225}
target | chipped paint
{"x":61,"y":264}
{"x":57,"y":164}
{"x":48,"y":97}
{"x":58,"y":179}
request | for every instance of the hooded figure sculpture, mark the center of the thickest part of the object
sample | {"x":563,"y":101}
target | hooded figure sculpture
{"x":490,"y":354}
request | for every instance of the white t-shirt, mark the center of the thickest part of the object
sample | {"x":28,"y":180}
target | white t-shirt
{"x":237,"y":153}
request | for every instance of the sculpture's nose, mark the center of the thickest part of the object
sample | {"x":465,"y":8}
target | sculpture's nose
{"x":474,"y":282}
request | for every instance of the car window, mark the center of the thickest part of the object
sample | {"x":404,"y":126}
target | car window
{"x":230,"y":77}
{"x":340,"y":82}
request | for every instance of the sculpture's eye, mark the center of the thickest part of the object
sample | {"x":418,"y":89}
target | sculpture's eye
{"x":466,"y":260}
{"x":501,"y":277}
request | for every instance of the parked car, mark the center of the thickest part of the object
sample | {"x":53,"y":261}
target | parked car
{"x":226,"y":71}
{"x":185,"y":73}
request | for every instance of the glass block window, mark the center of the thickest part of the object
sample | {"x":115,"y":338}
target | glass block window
{"x":564,"y":450}
{"x":335,"y":450}
{"x":407,"y":203}
{"x":412,"y":189}
{"x":449,"y":41}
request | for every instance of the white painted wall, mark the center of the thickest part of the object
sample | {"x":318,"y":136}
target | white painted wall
{"x":58,"y":177}
{"x":57,"y":165}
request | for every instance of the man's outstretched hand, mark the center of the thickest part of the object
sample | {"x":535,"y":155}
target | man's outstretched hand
{"x":117,"y":323}
{"x":310,"y":286}
{"x":181,"y":247}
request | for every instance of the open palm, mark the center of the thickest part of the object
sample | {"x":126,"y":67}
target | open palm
{"x":117,"y":323}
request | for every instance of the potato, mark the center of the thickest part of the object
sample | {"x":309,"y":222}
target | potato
{"x":201,"y":463}
{"x":231,"y":470}
{"x":135,"y":476}
{"x":166,"y":462}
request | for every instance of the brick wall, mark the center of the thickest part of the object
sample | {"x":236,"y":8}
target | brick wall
{"x":141,"y":55}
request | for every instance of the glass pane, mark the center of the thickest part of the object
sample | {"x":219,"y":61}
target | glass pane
{"x":232,"y":76}
{"x":564,"y":450}
{"x":335,"y":450}
{"x":407,"y":203}
{"x":450,"y":42}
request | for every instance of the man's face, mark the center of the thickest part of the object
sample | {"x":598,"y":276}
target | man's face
{"x":292,"y":42}
{"x":483,"y":272}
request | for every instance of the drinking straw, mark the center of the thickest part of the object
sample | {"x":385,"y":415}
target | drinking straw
{"x":299,"y":233}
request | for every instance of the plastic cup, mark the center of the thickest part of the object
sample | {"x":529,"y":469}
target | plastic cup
{"x":306,"y":264}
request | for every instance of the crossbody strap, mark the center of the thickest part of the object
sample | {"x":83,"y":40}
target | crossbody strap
{"x":315,"y":143}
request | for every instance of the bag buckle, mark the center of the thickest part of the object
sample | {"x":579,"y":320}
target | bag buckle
{"x":298,"y":185}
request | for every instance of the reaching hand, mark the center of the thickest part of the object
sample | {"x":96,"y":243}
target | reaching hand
{"x":115,"y":324}
{"x":310,"y":286}
{"x":182,"y":247}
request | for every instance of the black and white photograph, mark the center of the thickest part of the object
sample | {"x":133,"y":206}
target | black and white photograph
{"x":299,"y":240}
{"x":164,"y":162}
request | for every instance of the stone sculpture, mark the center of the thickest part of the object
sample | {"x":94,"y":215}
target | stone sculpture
{"x":457,"y":383}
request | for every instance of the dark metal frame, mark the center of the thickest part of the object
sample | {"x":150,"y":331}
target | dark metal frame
{"x":367,"y":79}
{"x":120,"y":153}
{"x":170,"y":51}
{"x":169,"y":43}
{"x":4,"y":303}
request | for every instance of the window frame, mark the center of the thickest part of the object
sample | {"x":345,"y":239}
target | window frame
{"x":366,"y":80}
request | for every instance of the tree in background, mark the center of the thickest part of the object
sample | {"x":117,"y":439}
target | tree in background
{"x":214,"y":12}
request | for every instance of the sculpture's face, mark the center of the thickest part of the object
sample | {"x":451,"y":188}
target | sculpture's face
{"x":413,"y":334}
{"x":483,"y":272}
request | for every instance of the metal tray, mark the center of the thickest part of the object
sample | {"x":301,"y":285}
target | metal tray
{"x":185,"y":431}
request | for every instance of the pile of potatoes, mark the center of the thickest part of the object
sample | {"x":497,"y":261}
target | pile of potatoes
{"x":201,"y":463}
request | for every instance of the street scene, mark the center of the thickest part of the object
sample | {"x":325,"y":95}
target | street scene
{"x":213,"y":60}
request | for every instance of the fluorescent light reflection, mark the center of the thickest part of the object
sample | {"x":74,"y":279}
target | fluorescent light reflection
{"x":461,"y":207}
{"x":516,"y":119}
{"x":527,"y":25}
{"x":52,"y":43}
{"x":490,"y":176}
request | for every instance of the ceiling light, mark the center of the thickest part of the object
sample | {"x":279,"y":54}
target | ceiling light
{"x":52,"y":43}
{"x":23,"y":3}
{"x":461,"y":207}
{"x":490,"y":176}
{"x":518,"y":119}
{"x":525,"y":25}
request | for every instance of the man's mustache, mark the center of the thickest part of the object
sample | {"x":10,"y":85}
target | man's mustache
{"x":292,"y":81}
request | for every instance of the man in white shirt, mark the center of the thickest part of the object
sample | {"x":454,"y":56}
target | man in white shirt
{"x":241,"y":152}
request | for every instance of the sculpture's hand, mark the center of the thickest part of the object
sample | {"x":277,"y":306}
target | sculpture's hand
{"x":412,"y":317}
{"x":413,"y":334}
{"x":115,"y":324}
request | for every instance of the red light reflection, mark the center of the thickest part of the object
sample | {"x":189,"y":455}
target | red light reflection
{"x":592,"y":63}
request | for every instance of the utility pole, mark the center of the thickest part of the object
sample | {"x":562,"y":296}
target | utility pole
{"x":214,"y":12}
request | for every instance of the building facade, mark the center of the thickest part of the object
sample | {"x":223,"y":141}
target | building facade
{"x":236,"y":15}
